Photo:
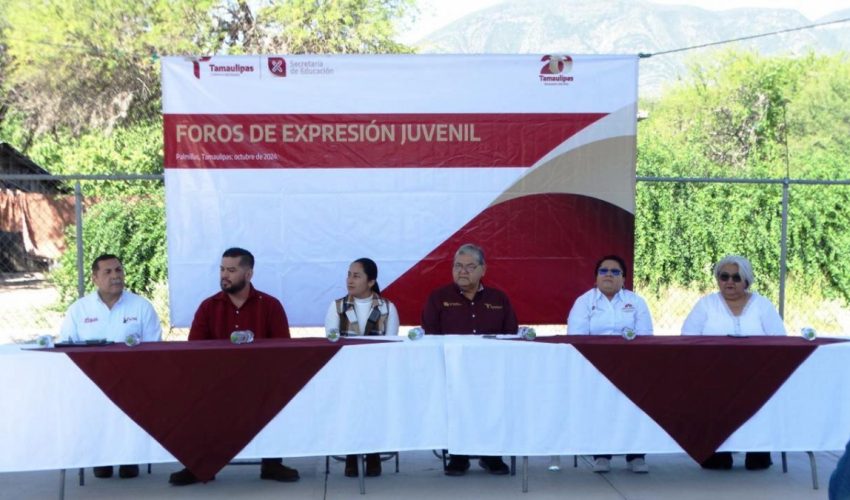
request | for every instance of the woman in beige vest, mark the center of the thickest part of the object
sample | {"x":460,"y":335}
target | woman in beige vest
{"x":362,"y":311}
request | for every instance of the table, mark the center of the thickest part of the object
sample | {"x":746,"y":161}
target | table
{"x":539,"y":398}
{"x":464,"y":393}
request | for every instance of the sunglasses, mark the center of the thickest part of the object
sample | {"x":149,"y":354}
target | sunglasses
{"x":613,"y":272}
{"x":726,"y":277}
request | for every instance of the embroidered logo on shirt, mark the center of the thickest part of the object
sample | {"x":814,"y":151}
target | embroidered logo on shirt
{"x":451,"y":304}
{"x":90,"y":320}
{"x":628,"y":306}
{"x":492,"y":306}
{"x":127,"y":319}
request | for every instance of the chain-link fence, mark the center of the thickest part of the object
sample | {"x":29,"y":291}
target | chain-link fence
{"x":44,"y":266}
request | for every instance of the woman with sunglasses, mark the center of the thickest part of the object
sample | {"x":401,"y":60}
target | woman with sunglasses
{"x":734,"y":310}
{"x":609,"y":309}
{"x":362,"y":311}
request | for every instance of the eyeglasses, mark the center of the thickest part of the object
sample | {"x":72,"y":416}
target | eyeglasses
{"x":613,"y":272}
{"x":726,"y":277}
{"x":470,"y":268}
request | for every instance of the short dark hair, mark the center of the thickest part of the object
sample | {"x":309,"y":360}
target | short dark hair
{"x":616,"y":258}
{"x":371,"y":270}
{"x":245,"y":257}
{"x":95,"y":265}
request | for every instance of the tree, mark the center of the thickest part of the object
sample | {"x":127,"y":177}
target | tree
{"x":92,"y":63}
{"x":734,"y":117}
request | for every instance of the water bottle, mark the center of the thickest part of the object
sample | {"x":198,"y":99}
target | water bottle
{"x":629,"y":333}
{"x":242,"y":337}
{"x":555,"y":463}
{"x":133,"y":339}
{"x":808,"y":333}
{"x":44,"y":341}
{"x":527,"y":333}
{"x":415,"y":333}
{"x":333,"y":334}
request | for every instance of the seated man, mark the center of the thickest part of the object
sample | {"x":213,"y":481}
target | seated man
{"x":239,"y":306}
{"x":466,"y":306}
{"x":110,"y":313}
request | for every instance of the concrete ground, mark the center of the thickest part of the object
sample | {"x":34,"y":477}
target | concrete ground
{"x":672,"y":476}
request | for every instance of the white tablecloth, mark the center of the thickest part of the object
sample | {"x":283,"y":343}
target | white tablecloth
{"x":467,"y":394}
{"x":527,"y":398}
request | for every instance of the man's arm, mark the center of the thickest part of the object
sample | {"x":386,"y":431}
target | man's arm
{"x":431,"y":316}
{"x":151,"y":326}
{"x":276,"y":321}
{"x":200,"y":329}
{"x":509,"y":324}
{"x":68,"y":332}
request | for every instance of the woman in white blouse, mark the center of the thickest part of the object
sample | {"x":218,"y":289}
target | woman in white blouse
{"x":362,"y":311}
{"x":608,"y":309}
{"x":734,"y":310}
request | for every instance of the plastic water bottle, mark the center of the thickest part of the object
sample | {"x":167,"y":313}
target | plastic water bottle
{"x":332,"y":334}
{"x":629,"y":333}
{"x":415,"y":333}
{"x":242,"y":337}
{"x":808,"y":333}
{"x":527,"y":333}
{"x":44,"y":341}
{"x":555,"y":463}
{"x":133,"y":339}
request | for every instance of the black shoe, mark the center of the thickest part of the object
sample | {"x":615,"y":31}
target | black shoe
{"x":351,"y":465}
{"x":128,"y":471}
{"x":184,"y":478}
{"x":373,"y":465}
{"x":494,"y":465}
{"x":758,"y":460}
{"x":458,"y":465}
{"x":718,"y":461}
{"x":103,"y":472}
{"x":278,"y":472}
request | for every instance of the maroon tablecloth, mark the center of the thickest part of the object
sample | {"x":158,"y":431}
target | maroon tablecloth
{"x":698,"y":389}
{"x":204,"y":401}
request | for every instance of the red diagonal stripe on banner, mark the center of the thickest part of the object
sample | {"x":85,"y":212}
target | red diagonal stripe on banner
{"x":368,"y":140}
{"x":203,"y":401}
{"x":698,"y":389}
{"x":532,"y":243}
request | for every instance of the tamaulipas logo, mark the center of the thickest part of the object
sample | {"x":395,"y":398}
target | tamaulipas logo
{"x":235,"y":69}
{"x":552,"y":73}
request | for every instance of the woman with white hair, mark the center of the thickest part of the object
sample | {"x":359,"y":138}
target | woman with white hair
{"x":734,"y":310}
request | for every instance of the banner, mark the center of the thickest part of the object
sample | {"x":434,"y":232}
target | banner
{"x":311,"y":162}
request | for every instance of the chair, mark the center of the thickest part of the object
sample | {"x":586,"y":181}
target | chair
{"x":361,"y":466}
{"x":812,"y":463}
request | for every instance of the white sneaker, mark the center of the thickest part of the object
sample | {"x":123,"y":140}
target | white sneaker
{"x":639,"y":466}
{"x":601,"y":465}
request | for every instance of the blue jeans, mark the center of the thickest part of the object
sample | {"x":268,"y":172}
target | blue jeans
{"x":839,"y":482}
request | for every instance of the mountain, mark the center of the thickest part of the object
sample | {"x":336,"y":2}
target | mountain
{"x":633,"y":26}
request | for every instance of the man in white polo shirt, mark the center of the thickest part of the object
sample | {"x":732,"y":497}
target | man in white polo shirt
{"x":110,"y":313}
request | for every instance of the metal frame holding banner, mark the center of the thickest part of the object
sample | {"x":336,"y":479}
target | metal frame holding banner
{"x":313,"y":161}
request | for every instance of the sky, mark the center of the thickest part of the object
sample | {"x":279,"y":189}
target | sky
{"x":434,"y":14}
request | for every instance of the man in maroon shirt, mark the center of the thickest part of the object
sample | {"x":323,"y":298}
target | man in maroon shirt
{"x":239,"y":306}
{"x":466,"y":306}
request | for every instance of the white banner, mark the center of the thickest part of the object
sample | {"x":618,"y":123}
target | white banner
{"x":311,"y":162}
